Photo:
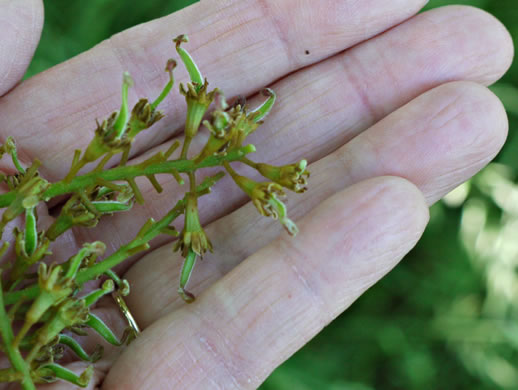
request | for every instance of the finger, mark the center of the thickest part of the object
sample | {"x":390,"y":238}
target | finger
{"x":437,"y":141}
{"x":21,"y":22}
{"x":280,"y":297}
{"x":323,"y":107}
{"x":230,"y":39}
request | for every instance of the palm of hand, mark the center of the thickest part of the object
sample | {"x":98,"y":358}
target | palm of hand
{"x":390,"y":126}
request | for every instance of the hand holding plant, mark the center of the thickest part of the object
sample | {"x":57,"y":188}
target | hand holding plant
{"x":250,"y":314}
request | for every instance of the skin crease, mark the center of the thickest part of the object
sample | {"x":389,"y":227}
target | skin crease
{"x":391,"y":109}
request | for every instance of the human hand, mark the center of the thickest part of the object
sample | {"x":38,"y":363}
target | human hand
{"x":407,"y":103}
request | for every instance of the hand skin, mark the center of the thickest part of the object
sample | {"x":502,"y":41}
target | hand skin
{"x":390,"y":108}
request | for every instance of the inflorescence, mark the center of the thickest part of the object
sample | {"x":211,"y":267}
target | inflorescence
{"x":42,"y":305}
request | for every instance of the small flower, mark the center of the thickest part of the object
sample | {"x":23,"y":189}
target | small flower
{"x":198,"y":101}
{"x":28,"y":188}
{"x":192,"y":236}
{"x":51,"y":281}
{"x":69,"y":313}
{"x":54,"y":289}
{"x":143,"y":116}
{"x":110,"y":135}
{"x":292,"y":176}
{"x":265,"y":197}
{"x":229,"y":130}
{"x":230,"y":126}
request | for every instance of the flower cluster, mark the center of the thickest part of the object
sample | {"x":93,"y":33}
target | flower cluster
{"x":41,"y":304}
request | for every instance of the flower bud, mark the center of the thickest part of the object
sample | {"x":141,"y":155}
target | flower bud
{"x":192,"y":236}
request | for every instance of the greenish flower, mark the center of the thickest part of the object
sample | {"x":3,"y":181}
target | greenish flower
{"x":292,"y":176}
{"x":193,"y":236}
{"x":229,"y":127}
{"x":265,"y":197}
{"x":198,"y":102}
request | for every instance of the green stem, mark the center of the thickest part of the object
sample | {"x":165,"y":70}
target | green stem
{"x":230,"y":170}
{"x":249,"y":162}
{"x":144,"y":236}
{"x":192,"y":182}
{"x":129,"y":172}
{"x":124,"y":252}
{"x":185,"y":147}
{"x":107,"y":287}
{"x":8,"y":375}
{"x":127,"y":250}
{"x":13,"y":353}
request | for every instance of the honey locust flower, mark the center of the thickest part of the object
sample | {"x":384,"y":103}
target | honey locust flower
{"x":193,"y":236}
{"x":69,"y":313}
{"x":103,"y":141}
{"x":29,"y":189}
{"x":198,"y":101}
{"x":54,"y":288}
{"x":110,"y":135}
{"x":292,"y":176}
{"x":265,"y":197}
{"x":228,"y":130}
{"x":145,"y":114}
{"x":229,"y":127}
{"x":222,"y":136}
{"x":244,"y":121}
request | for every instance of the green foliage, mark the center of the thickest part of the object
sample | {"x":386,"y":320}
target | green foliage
{"x":438,"y":321}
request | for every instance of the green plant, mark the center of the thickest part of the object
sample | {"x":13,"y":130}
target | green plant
{"x":39,"y":309}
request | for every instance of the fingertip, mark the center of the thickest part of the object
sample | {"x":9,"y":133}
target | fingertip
{"x":412,"y":204}
{"x":484,"y":117}
{"x":496,"y":122}
{"x":403,"y":201}
{"x":389,"y":207}
{"x":491,"y":37}
{"x":498,"y":39}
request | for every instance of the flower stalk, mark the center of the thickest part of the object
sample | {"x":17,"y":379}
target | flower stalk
{"x":51,"y":304}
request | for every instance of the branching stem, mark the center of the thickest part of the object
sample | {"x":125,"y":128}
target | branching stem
{"x":130,"y":172}
{"x":13,"y":353}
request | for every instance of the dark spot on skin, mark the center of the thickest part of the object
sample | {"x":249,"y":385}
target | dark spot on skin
{"x":307,"y":52}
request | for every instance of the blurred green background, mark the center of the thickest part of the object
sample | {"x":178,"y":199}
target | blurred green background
{"x":447,"y":317}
